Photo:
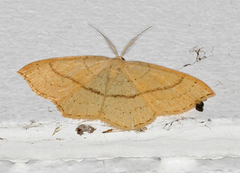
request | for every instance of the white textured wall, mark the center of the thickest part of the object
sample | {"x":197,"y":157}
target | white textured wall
{"x":32,"y":30}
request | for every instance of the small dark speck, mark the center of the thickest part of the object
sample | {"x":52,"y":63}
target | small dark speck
{"x":84,"y":128}
{"x":199,"y":106}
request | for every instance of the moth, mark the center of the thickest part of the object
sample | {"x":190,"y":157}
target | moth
{"x":127,"y":95}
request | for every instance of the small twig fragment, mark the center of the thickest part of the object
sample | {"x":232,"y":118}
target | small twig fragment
{"x":169,"y":125}
{"x":32,"y":124}
{"x":57,"y":129}
{"x":108,"y":131}
{"x":200,"y":55}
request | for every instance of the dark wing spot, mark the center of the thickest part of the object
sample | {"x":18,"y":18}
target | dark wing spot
{"x":199,"y":106}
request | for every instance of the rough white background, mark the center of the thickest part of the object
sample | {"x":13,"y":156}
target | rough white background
{"x":207,"y":141}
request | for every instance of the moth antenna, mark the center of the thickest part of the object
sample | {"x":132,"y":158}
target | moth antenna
{"x":125,"y":49}
{"x":109,"y":42}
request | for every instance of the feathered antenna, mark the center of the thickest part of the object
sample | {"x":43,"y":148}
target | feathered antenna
{"x":109,"y":42}
{"x":131,"y":42}
{"x":126,"y":47}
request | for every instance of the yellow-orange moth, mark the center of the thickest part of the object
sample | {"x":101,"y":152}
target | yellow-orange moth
{"x":124,"y":94}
